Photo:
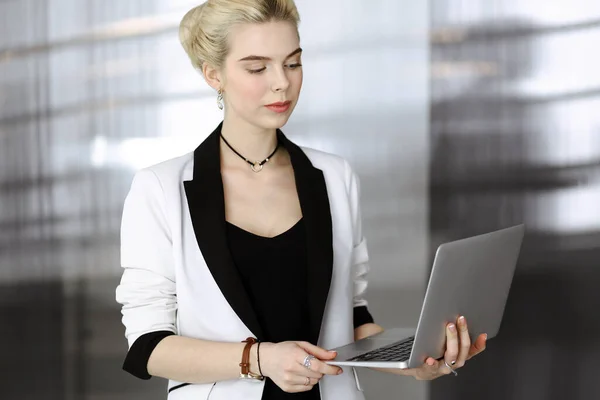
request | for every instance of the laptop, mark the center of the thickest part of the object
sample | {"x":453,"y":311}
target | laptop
{"x":470,"y":277}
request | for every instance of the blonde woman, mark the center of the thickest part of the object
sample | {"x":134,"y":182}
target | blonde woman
{"x":245,"y":260}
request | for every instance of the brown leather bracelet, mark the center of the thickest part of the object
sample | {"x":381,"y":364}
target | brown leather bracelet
{"x":245,"y":364}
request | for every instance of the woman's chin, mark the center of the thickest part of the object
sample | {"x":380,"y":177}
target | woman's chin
{"x":275,"y":121}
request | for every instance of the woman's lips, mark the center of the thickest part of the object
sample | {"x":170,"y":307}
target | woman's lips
{"x":279,"y":107}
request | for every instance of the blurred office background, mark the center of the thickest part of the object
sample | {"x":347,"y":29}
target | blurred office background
{"x":515,"y":137}
{"x":460,"y":117}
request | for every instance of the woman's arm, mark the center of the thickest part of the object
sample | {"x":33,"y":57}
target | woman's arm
{"x":148,"y":295}
{"x":366,"y":330}
{"x":190,"y":360}
{"x":200,"y":361}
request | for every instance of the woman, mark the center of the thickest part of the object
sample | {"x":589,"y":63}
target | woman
{"x":250,"y":236}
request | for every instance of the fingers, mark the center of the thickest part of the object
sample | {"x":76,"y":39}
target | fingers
{"x":478,"y":346}
{"x":297,"y":368}
{"x":459,"y":349}
{"x":431,"y":368}
{"x":464,"y":342}
{"x":295,"y":377}
{"x":452,"y":347}
{"x":304,"y":386}
{"x":324,"y":369}
{"x":316,"y":364}
{"x":303,"y":372}
{"x":317,"y":351}
{"x":299,"y":382}
{"x":302,"y":381}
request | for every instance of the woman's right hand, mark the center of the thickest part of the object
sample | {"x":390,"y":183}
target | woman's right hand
{"x":283,"y":363}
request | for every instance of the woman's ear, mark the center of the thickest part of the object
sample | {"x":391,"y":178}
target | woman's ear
{"x":212,"y":76}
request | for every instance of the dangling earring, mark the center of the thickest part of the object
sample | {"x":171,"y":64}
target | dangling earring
{"x":220,"y":99}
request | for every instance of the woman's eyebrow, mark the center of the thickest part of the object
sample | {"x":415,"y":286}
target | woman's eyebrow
{"x":263,"y":58}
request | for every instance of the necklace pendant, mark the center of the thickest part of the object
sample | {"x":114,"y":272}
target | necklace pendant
{"x":257,"y":167}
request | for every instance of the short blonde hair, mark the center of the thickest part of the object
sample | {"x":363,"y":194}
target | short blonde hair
{"x":204,"y":30}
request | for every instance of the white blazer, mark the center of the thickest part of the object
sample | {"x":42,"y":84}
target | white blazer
{"x":179,"y":275}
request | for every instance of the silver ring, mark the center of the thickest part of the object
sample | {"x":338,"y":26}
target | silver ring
{"x":451,"y":369}
{"x":307,"y":381}
{"x":307,"y":359}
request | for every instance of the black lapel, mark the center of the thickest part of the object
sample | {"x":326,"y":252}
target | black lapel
{"x":314,"y":202}
{"x":207,"y":209}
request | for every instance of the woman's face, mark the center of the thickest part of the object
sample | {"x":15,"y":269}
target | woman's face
{"x":263,"y":67}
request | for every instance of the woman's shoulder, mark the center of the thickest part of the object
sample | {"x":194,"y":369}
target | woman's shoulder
{"x":169,"y":173}
{"x":174,"y":166}
{"x":329,"y":163}
{"x":322,"y":159}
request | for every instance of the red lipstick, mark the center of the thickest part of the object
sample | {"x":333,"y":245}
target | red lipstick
{"x":279,"y":107}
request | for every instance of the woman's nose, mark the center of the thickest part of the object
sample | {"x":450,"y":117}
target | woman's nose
{"x":281,"y":82}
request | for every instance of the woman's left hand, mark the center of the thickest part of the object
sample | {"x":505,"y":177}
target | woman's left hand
{"x":459,"y":349}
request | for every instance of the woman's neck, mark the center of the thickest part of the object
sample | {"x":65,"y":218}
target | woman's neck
{"x":254,"y":143}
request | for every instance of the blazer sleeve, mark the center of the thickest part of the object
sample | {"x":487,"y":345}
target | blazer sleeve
{"x":147,"y":287}
{"x":360,"y":255}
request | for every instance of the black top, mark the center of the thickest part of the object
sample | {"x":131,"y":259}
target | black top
{"x":274,"y":274}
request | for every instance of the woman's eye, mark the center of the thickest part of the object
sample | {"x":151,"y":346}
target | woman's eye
{"x":257,"y":71}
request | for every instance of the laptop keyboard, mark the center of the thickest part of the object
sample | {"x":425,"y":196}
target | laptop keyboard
{"x":399,"y":351}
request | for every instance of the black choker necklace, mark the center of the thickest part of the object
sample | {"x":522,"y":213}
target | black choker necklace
{"x":256,"y":166}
